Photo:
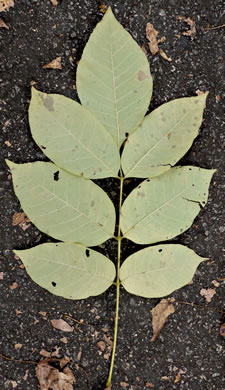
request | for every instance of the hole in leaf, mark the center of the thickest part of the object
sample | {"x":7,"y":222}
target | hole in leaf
{"x":54,"y":284}
{"x":56,"y":176}
{"x":190,"y":169}
{"x":43,"y":147}
{"x":126,"y":135}
{"x":160,"y":250}
{"x":87,"y":252}
{"x":148,"y":180}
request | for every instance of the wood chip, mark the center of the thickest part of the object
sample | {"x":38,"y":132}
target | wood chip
{"x":54,"y":2}
{"x":19,"y":218}
{"x":62,"y":325}
{"x":207,"y":293}
{"x":151,"y":35}
{"x":55,"y":64}
{"x":18,"y":312}
{"x":6,"y":4}
{"x":1,"y":275}
{"x":3,"y":25}
{"x":164,"y":55}
{"x":7,"y":143}
{"x":14,"y":384}
{"x":160,"y":313}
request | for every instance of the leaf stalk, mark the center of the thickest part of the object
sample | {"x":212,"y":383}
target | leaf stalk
{"x":117,"y":283}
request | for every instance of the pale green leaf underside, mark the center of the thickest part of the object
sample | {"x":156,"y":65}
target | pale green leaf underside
{"x":159,"y":270}
{"x":66,"y":207}
{"x":72,"y":137}
{"x":69,"y":270}
{"x":165,"y":206}
{"x":113,"y":78}
{"x":163,"y":137}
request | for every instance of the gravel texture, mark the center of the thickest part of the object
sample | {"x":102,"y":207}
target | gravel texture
{"x":190,"y":341}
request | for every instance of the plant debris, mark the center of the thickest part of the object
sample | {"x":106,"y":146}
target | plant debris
{"x":6,"y":4}
{"x":192,"y":32}
{"x":61,"y":325}
{"x":50,"y":377}
{"x":54,"y":2}
{"x":207,"y":293}
{"x":160,"y":313}
{"x":163,"y":55}
{"x":151,"y":35}
{"x":13,"y":286}
{"x":3,"y":25}
{"x":55,"y":64}
{"x":22,"y":220}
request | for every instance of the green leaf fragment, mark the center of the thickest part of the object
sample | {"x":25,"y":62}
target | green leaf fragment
{"x":69,"y":270}
{"x":165,"y":206}
{"x":72,"y":137}
{"x":163,"y":137}
{"x":113,"y":78}
{"x":66,"y":207}
{"x":157,"y":271}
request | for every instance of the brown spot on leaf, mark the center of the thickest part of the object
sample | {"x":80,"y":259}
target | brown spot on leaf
{"x":141,"y":75}
{"x":49,"y":103}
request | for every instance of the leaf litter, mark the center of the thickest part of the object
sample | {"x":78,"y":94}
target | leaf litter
{"x":52,"y":378}
{"x":54,"y":64}
{"x":3,"y":25}
{"x":62,"y":325}
{"x":160,"y":313}
{"x":208,"y":293}
{"x":6,"y":4}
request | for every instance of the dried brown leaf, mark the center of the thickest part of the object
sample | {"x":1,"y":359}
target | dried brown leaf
{"x":215,"y":283}
{"x":207,"y":293}
{"x":101,"y":345}
{"x":149,"y":385}
{"x":3,"y":25}
{"x":124,"y":385}
{"x":192,"y":32}
{"x":222,"y":330}
{"x":64,"y":340}
{"x":13,"y":286}
{"x":160,"y":313}
{"x":26,"y":375}
{"x":45,"y":353}
{"x":18,"y":346}
{"x":61,"y":325}
{"x":163,"y":55}
{"x":151,"y":35}
{"x":161,"y":40}
{"x":6,"y":4}
{"x":50,"y":378}
{"x":55,"y":64}
{"x":18,"y":218}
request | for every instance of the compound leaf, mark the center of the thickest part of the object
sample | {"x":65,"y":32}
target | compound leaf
{"x":72,"y":137}
{"x":113,"y":78}
{"x":157,"y":271}
{"x":165,"y":206}
{"x":64,"y":206}
{"x":69,"y":270}
{"x":163,"y":137}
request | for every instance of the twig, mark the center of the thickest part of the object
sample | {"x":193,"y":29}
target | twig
{"x":214,"y":28}
{"x":17,"y":360}
{"x":73,"y":319}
